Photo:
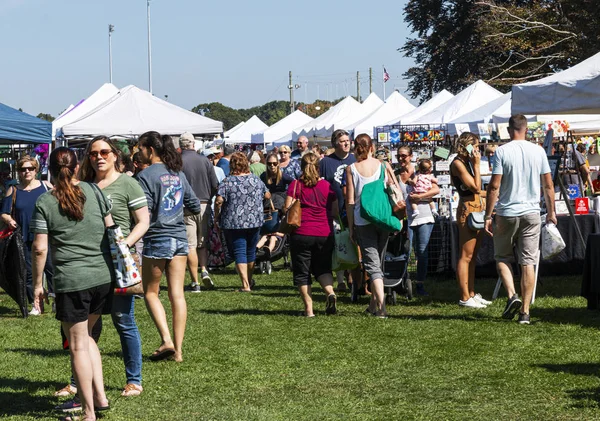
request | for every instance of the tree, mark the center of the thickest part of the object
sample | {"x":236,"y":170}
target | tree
{"x":46,"y":117}
{"x":217,"y":111}
{"x":502,"y":42}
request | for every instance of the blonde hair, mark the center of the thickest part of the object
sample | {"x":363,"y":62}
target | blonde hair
{"x":465,"y":139}
{"x":27,"y":158}
{"x":310,"y":169}
{"x":285,"y":148}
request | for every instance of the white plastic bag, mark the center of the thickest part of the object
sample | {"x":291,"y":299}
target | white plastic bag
{"x":552,"y":242}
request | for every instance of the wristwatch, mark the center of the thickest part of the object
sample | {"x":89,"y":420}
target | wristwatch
{"x":487,"y":218}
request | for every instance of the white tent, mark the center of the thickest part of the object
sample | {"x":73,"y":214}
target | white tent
{"x":103,"y":94}
{"x":467,"y":100}
{"x":394,"y":108}
{"x":572,"y":91}
{"x":282,"y":130}
{"x":336,"y":113}
{"x":133,"y":111}
{"x":244,"y":133}
{"x":67,"y":110}
{"x":234,"y":128}
{"x":482,"y":115}
{"x":425,"y":108}
{"x":368,"y":107}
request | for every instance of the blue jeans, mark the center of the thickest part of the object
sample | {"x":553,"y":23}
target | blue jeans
{"x":131,"y":343}
{"x":419,"y":239}
{"x":242,"y":244}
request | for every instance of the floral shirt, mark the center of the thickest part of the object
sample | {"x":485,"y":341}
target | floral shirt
{"x":292,"y":169}
{"x":243,"y":201}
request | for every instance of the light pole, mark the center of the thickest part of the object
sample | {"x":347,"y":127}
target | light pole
{"x":166,"y":97}
{"x":111,"y":29}
{"x":149,"y":49}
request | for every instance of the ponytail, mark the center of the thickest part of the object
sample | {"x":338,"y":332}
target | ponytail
{"x":310,"y":170}
{"x":165,"y":149}
{"x":62,"y":165}
{"x":364,"y":144}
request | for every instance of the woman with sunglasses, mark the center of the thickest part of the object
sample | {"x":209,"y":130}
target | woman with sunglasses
{"x":421,"y":226}
{"x":289,"y":167}
{"x":165,"y":244}
{"x":17,"y":213}
{"x":100,"y":165}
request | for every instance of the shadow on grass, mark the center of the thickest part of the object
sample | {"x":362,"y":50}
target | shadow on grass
{"x":583,"y":398}
{"x":39,"y":352}
{"x":577,"y":316}
{"x":20,"y":399}
{"x":252,"y":312}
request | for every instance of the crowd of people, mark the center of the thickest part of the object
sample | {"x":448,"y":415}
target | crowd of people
{"x":166,"y":201}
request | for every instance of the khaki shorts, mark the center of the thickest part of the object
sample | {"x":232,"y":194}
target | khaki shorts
{"x":196,"y":227}
{"x":524,"y":230}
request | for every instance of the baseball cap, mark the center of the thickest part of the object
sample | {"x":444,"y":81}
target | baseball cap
{"x":210,"y":151}
{"x":186,"y":140}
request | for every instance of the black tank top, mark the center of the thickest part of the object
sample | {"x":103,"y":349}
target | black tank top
{"x":461,"y":189}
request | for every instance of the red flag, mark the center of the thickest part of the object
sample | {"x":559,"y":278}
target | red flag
{"x":386,"y":76}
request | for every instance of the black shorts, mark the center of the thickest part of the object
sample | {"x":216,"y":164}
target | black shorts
{"x":76,"y":306}
{"x":310,"y":255}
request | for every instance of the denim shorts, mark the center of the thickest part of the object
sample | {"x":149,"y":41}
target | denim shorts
{"x":164,"y":248}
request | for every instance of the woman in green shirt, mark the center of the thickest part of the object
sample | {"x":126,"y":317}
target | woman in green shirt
{"x":70,"y":220}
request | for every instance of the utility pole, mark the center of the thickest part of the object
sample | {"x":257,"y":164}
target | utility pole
{"x":358,"y":86}
{"x":149,"y":50}
{"x":291,"y":88}
{"x":111,"y":29}
{"x":370,"y":80}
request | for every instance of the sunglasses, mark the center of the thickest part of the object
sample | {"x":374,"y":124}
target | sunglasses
{"x":103,"y":153}
{"x":284,"y":152}
{"x":27,"y":169}
{"x":402,"y":156}
{"x":272,"y":164}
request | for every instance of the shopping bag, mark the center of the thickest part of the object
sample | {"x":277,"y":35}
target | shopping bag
{"x":375,"y":205}
{"x":552,"y":241}
{"x":126,"y":270}
{"x":345,"y":254}
{"x":13,"y":271}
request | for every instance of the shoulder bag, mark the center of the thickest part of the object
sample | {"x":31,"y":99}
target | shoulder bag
{"x":292,"y":217}
{"x":476,"y":220}
{"x":375,"y":205}
{"x":126,"y":270}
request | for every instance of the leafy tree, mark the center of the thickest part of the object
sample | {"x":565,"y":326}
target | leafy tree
{"x":46,"y":117}
{"x":500,"y":41}
{"x":220,"y":112}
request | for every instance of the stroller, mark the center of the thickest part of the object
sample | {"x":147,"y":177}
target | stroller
{"x":282,"y":246}
{"x":394,"y":262}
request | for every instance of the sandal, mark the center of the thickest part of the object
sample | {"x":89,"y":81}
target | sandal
{"x":68,"y":390}
{"x":132,"y":390}
{"x":159,"y":354}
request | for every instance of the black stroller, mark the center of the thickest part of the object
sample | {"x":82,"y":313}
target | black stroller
{"x":264,"y":261}
{"x":394,"y":262}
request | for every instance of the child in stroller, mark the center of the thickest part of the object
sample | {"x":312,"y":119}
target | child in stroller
{"x":394,"y":262}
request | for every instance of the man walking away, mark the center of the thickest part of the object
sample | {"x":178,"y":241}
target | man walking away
{"x":515,"y":192}
{"x":201,"y":176}
{"x":224,"y":161}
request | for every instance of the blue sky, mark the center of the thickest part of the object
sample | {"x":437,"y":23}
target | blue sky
{"x":235,"y":52}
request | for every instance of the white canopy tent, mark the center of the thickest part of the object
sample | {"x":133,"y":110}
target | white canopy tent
{"x":103,"y":94}
{"x":436,"y":101}
{"x":67,"y":110}
{"x":481,"y":115}
{"x":572,"y":91}
{"x":133,"y":111}
{"x":234,"y":128}
{"x":336,"y":113}
{"x":467,"y":100}
{"x":368,"y":107}
{"x":244,"y":133}
{"x":282,"y":131}
{"x":394,"y":108}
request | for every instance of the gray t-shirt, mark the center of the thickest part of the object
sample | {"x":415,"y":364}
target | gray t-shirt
{"x":167,"y":193}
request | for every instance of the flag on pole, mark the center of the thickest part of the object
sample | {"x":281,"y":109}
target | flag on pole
{"x":386,"y":75}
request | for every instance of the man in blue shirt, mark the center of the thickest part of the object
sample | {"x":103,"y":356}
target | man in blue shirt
{"x":302,"y":148}
{"x":224,"y":161}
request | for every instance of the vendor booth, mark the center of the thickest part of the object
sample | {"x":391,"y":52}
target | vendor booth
{"x":394,"y":108}
{"x":282,"y":131}
{"x":243,"y":134}
{"x":345,"y":108}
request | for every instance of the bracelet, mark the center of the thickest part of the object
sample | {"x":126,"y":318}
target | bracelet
{"x":487,"y":218}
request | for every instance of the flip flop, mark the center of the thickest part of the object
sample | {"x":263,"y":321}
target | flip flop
{"x":244,"y":290}
{"x":159,"y":355}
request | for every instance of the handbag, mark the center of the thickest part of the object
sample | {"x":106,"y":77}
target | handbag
{"x":552,"y":241}
{"x":476,"y":220}
{"x":345,"y":253}
{"x":126,"y":270}
{"x":396,"y":198}
{"x":292,"y":217}
{"x":375,"y":205}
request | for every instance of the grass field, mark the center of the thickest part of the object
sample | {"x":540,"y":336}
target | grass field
{"x":251,"y":357}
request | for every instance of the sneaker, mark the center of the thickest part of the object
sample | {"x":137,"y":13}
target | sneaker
{"x":471,"y":303}
{"x":69,"y":406}
{"x":206,"y":281}
{"x":34,"y":312}
{"x":421,"y":290}
{"x":194,"y":287}
{"x":68,"y":390}
{"x":523,"y":319}
{"x":415,"y":214}
{"x":482,"y":300}
{"x":330,"y":306}
{"x":342,"y":287}
{"x":512,"y":306}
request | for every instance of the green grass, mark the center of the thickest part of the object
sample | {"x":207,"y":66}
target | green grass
{"x":250,"y":357}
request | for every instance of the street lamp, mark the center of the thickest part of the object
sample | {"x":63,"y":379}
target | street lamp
{"x":166,"y":97}
{"x":111,"y":29}
{"x":149,"y":49}
{"x":317,"y":109}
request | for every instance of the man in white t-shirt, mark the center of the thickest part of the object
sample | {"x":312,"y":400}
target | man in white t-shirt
{"x":514,"y":190}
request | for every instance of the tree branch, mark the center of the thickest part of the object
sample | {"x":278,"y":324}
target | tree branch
{"x":550,"y":57}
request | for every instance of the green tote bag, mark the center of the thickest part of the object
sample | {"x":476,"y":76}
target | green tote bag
{"x":375,"y":206}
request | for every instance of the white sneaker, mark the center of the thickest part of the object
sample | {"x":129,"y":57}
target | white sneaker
{"x":482,"y":300}
{"x":470,"y":303}
{"x":34,"y":312}
{"x":415,"y":213}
